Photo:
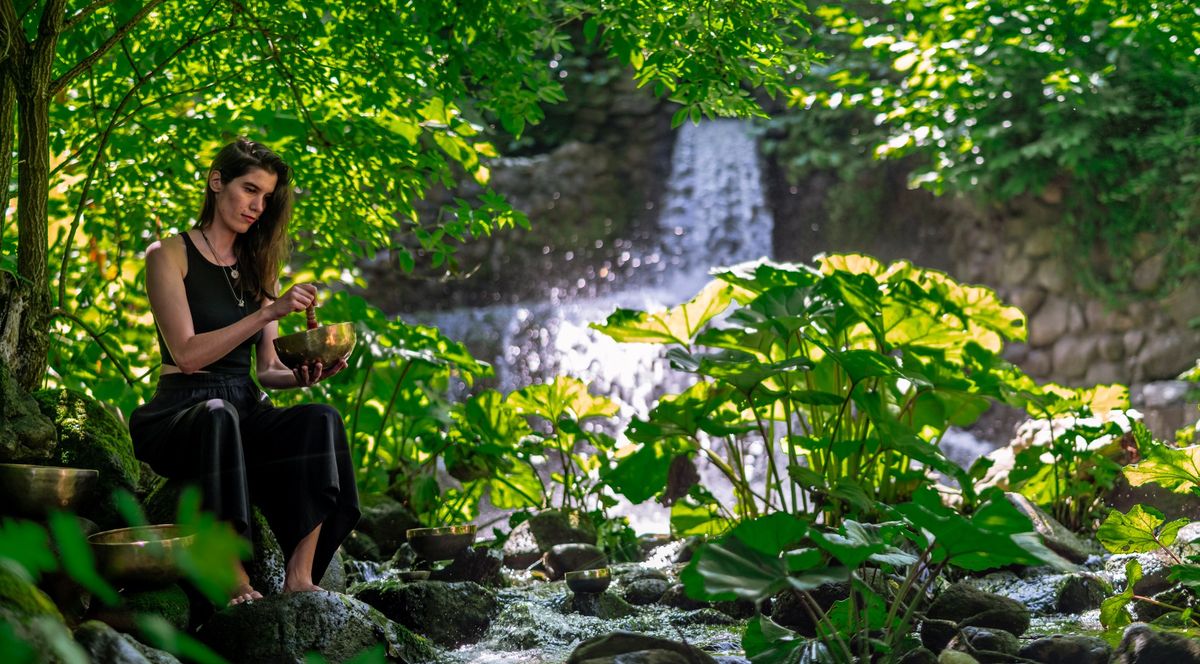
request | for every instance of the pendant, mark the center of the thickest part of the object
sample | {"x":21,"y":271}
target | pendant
{"x":235,"y":273}
{"x":242,"y":303}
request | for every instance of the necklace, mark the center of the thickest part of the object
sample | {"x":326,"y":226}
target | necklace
{"x":241,"y":301}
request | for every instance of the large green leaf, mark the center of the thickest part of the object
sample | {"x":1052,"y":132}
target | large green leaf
{"x":641,"y":474}
{"x":1141,"y":530}
{"x":678,"y":325}
{"x":766,"y":642}
{"x":1113,"y":614}
{"x":564,"y":397}
{"x":1177,"y":469}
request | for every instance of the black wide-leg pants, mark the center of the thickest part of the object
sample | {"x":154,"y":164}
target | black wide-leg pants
{"x":222,"y":433}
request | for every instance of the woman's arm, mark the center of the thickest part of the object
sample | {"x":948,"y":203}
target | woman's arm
{"x":165,"y":268}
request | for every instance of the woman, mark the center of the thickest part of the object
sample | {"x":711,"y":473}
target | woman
{"x":214,"y":294}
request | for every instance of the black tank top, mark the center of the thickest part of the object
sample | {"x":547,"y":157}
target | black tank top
{"x":213,"y":307}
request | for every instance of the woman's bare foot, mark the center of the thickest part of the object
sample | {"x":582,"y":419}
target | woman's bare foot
{"x":244,"y":593}
{"x":290,"y":586}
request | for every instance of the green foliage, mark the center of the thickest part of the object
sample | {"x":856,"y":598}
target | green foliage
{"x":1143,"y":530}
{"x":1073,"y":452}
{"x":1004,"y":98}
{"x":852,"y":370}
{"x":888,"y":567}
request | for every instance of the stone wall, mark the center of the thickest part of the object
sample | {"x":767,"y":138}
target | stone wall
{"x":1075,"y":338}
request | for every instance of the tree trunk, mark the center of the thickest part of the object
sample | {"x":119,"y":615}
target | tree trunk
{"x":31,"y":302}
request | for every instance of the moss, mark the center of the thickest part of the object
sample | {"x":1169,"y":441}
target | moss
{"x":24,"y":598}
{"x":89,"y":436}
{"x":171,"y":603}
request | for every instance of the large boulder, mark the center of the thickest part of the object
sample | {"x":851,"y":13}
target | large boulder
{"x":449,"y":614}
{"x":962,"y":605}
{"x":1075,"y":648}
{"x":89,"y":436}
{"x":605,"y":606}
{"x":1075,"y":592}
{"x":105,"y":644}
{"x":170,"y":603}
{"x":282,"y":628}
{"x":1057,"y":537}
{"x":478,"y":564}
{"x":563,"y":558}
{"x":26,"y":435}
{"x":537,"y":535}
{"x":1142,"y":644}
{"x":611,"y":648}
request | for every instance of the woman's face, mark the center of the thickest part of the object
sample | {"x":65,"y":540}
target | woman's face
{"x":242,"y":200}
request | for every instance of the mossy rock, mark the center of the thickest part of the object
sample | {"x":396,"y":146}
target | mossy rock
{"x":26,"y":436}
{"x":170,"y":603}
{"x":89,"y":436}
{"x":24,"y":598}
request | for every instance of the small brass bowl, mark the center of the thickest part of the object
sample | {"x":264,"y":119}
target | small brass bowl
{"x":588,"y":580}
{"x":142,"y":555}
{"x":32,"y":491}
{"x":326,"y":344}
{"x":441,"y":543}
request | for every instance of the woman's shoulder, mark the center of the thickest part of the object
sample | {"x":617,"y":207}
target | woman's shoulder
{"x":170,"y":249}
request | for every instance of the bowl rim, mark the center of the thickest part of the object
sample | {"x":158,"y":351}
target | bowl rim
{"x":92,"y":539}
{"x":42,"y":468}
{"x":597,"y":573}
{"x":331,"y":326}
{"x":468,"y":529}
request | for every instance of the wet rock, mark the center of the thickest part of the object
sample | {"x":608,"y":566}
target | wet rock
{"x":1156,"y":567}
{"x":267,"y":568}
{"x":26,"y":435}
{"x":404,"y":557}
{"x":334,"y":579}
{"x":563,"y":558}
{"x":986,"y":645}
{"x":105,"y":644}
{"x":1049,"y":593}
{"x":1173,"y":505}
{"x":1057,"y":537}
{"x":705,"y":616}
{"x":608,"y":647}
{"x":787,"y":608}
{"x":962,"y":606}
{"x":689,"y":548}
{"x":386,"y":521}
{"x":919,"y":656}
{"x":605,"y":606}
{"x":955,"y":657}
{"x":645,"y":591}
{"x":532,"y":538}
{"x":1179,"y":596}
{"x":170,"y":603}
{"x":676,"y":597}
{"x":449,"y":614}
{"x":478,"y":564}
{"x":89,"y":436}
{"x":1074,"y":648}
{"x":336,"y":626}
{"x":1142,"y":644}
{"x":360,"y":546}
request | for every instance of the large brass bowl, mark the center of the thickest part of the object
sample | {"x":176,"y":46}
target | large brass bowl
{"x":31,"y":491}
{"x":441,"y":543}
{"x":142,"y":555}
{"x":326,"y":344}
{"x":589,"y":580}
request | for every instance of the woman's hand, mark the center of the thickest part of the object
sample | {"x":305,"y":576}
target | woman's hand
{"x":297,"y":298}
{"x":315,"y":372}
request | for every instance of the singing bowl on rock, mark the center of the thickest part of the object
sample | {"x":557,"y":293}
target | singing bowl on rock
{"x":142,"y":555}
{"x":588,"y":580}
{"x":326,"y":344}
{"x":31,"y":491}
{"x":440,"y":543}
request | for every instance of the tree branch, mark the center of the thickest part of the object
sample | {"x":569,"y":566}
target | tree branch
{"x":98,"y":338}
{"x":103,"y":143}
{"x":61,"y":82}
{"x":13,"y":35}
{"x":84,"y":13}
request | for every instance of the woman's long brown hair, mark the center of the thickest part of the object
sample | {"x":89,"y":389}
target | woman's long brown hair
{"x":261,"y":250}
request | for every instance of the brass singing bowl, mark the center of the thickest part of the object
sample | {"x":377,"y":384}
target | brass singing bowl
{"x":588,"y":580}
{"x":32,"y":491}
{"x":441,"y":543}
{"x":142,"y":555}
{"x":326,"y":344}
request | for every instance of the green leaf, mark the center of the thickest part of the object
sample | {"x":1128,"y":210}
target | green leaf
{"x":1171,"y":468}
{"x":1140,"y":531}
{"x":28,"y":545}
{"x":678,"y":325}
{"x":162,"y":635}
{"x":77,"y":557}
{"x":642,"y":474}
{"x":771,"y":534}
{"x":693,"y":517}
{"x":765,"y":641}
{"x":1112,"y":610}
{"x":564,"y":397}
